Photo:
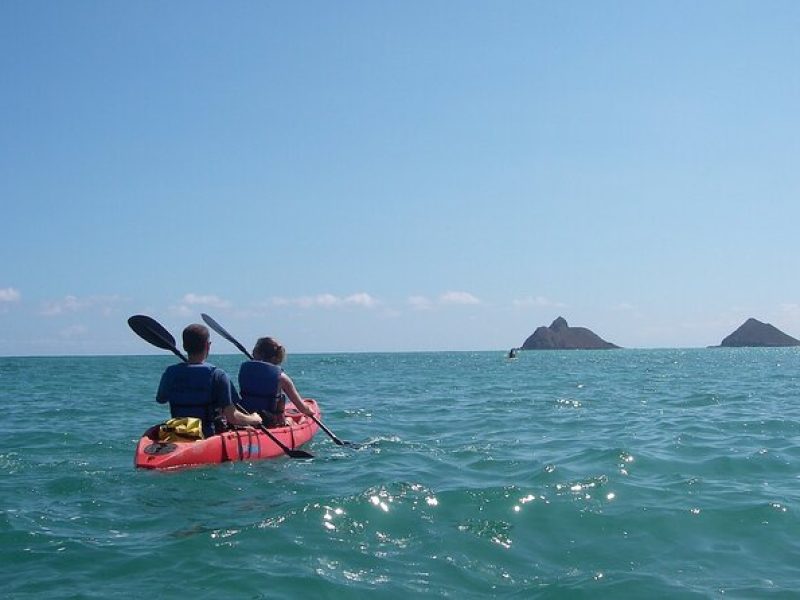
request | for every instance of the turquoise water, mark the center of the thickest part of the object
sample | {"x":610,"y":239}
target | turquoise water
{"x":619,"y":474}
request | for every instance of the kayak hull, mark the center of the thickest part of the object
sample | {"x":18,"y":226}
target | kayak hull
{"x":246,"y":443}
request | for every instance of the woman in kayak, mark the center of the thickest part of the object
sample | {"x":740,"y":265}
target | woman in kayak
{"x":264,"y":386}
{"x":199,"y":389}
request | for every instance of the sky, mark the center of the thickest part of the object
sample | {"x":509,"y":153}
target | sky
{"x":397,"y":176}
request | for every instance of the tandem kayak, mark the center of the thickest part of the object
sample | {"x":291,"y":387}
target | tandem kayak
{"x":246,"y":443}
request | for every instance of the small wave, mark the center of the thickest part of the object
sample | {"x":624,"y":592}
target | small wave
{"x":568,"y":403}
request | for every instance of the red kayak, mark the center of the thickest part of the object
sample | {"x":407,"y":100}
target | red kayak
{"x":247,"y":443}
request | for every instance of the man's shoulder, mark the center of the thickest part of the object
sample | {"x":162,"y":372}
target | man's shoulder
{"x":173,"y":369}
{"x":212,"y":370}
{"x":209,"y":366}
{"x":217,"y":373}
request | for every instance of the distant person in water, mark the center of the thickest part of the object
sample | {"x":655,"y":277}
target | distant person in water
{"x":265,"y":386}
{"x":512,"y":353}
{"x":199,"y":389}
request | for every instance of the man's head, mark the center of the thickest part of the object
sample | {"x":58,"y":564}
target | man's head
{"x":195,"y":338}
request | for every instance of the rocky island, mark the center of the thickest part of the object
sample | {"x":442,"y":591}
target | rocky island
{"x":560,"y":336}
{"x":754,"y":333}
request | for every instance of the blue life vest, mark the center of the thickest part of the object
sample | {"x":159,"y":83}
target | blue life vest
{"x":188,"y":389}
{"x":259,"y":385}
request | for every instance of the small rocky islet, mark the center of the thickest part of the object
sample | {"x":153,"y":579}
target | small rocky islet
{"x":755,"y":334}
{"x":560,"y":336}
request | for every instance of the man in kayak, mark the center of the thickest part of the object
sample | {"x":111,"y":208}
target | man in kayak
{"x":265,"y":386}
{"x":199,"y":389}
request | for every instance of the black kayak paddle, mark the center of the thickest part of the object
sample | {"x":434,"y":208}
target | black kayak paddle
{"x":152,"y":331}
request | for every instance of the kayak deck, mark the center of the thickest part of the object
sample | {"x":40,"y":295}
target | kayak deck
{"x":240,"y":444}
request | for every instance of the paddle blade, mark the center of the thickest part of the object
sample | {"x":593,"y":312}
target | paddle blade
{"x":332,"y":435}
{"x":288,"y":451}
{"x":224,"y":333}
{"x":299,"y":454}
{"x":152,"y":332}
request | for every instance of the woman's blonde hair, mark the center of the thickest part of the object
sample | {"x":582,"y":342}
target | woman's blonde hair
{"x":269,"y":350}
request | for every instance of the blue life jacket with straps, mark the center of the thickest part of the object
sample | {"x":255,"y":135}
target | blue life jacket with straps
{"x":259,"y":385}
{"x":189,"y":389}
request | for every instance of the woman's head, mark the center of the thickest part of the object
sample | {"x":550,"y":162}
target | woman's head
{"x":269,"y":350}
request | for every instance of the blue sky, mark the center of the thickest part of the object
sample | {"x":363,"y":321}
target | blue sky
{"x":390,"y":176}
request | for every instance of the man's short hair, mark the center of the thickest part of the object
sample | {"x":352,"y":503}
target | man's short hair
{"x":195,"y":338}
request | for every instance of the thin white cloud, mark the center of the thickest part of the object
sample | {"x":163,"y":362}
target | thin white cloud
{"x":71,"y":304}
{"x":453,"y":297}
{"x":624,"y":307}
{"x":205,"y":300}
{"x":191,"y":302}
{"x":65,"y":305}
{"x":9,"y":295}
{"x":446,"y":299}
{"x":537,"y":301}
{"x":360,"y":299}
{"x":326,"y":300}
{"x":420,"y":302}
{"x":181,"y":310}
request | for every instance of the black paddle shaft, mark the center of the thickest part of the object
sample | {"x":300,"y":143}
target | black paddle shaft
{"x":224,"y":333}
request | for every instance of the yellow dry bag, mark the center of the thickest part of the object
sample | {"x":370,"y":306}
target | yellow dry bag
{"x":185,"y":429}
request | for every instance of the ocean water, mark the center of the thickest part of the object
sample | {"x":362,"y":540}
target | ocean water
{"x":611,"y":474}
